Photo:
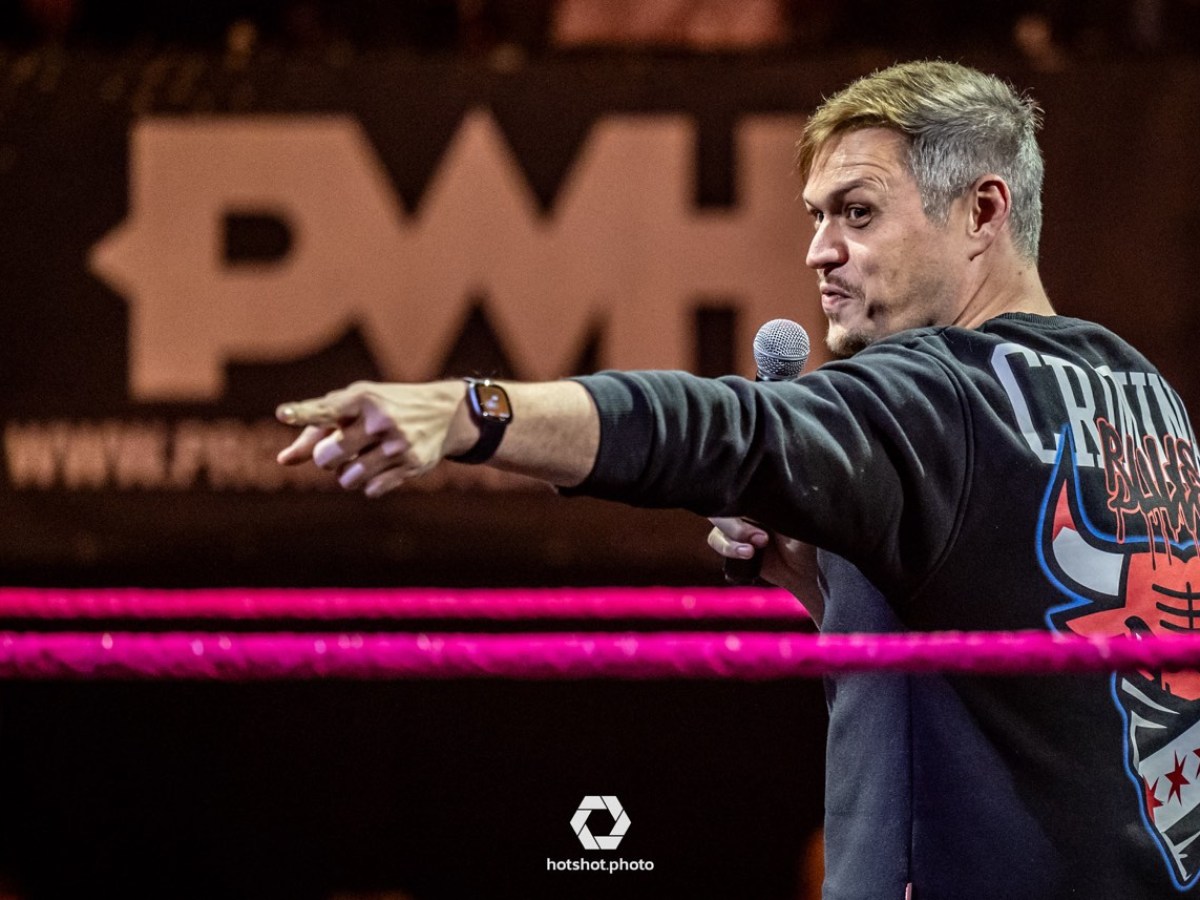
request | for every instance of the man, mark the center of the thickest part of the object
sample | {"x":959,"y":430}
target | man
{"x":979,"y":463}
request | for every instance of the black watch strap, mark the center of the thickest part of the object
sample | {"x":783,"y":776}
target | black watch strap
{"x":491,"y":412}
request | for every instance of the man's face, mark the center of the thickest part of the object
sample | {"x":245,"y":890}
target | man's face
{"x":883,"y":265}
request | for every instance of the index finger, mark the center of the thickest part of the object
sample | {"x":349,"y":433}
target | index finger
{"x":310,"y":412}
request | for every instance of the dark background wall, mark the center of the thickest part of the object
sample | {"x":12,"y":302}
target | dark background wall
{"x":1119,"y":247}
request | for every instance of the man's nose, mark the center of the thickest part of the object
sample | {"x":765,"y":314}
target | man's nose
{"x":826,"y":248}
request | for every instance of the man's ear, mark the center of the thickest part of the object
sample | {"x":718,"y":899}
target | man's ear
{"x":990,"y":203}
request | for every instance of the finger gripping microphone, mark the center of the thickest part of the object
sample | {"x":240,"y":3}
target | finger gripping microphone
{"x":781,"y":349}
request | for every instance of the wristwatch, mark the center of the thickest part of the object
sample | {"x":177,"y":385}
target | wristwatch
{"x":491,"y":411}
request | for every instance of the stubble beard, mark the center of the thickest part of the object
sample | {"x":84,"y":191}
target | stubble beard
{"x":845,"y":342}
{"x":881,"y":320}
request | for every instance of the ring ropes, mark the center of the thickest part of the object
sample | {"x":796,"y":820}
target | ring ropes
{"x":208,"y":655}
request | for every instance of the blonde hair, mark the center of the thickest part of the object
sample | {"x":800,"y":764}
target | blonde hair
{"x":960,"y":124}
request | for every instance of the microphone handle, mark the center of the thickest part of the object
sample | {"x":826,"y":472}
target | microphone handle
{"x":744,"y":571}
{"x":747,"y":571}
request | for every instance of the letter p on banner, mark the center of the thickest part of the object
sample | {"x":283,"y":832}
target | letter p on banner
{"x":191,"y":311}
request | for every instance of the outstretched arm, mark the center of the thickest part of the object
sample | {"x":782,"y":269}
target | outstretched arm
{"x":377,"y":436}
{"x":840,"y":459}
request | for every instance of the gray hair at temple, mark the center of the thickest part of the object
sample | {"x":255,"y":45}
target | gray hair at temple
{"x":960,"y":124}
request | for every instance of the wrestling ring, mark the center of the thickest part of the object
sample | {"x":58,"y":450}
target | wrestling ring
{"x":325,"y":724}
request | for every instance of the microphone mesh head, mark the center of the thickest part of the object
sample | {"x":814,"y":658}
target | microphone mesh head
{"x":780,"y":350}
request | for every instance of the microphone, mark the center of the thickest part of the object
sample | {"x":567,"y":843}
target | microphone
{"x":781,"y":349}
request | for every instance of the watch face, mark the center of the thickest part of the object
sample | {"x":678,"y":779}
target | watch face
{"x":492,"y":402}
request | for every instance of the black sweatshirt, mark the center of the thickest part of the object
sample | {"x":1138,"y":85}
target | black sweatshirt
{"x":1036,"y":472}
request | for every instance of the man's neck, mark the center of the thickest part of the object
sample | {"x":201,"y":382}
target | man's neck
{"x":1016,"y":287}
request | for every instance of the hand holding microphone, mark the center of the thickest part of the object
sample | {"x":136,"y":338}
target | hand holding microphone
{"x":781,"y":349}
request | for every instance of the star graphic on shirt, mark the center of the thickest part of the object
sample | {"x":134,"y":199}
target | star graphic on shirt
{"x":1152,"y":802}
{"x":1177,"y":779}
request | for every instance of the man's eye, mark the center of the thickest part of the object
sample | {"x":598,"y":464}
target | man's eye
{"x":858,"y":214}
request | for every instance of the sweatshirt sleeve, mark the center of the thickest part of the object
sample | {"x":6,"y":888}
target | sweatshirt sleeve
{"x":866,"y":457}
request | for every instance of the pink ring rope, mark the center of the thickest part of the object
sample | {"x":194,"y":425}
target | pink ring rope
{"x":328,"y":604}
{"x":756,"y":657}
{"x":642,"y":655}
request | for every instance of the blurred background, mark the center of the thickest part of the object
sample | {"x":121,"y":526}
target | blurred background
{"x":208,"y":209}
